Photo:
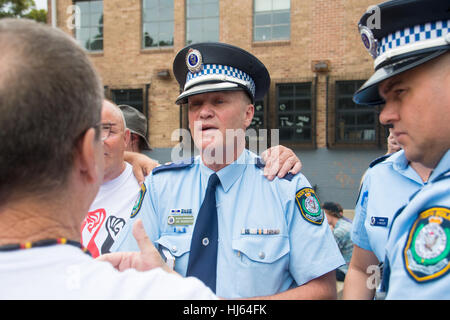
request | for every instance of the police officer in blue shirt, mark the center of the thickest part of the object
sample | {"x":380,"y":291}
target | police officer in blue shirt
{"x":412,"y":80}
{"x":388,"y":184}
{"x":241,"y":234}
{"x":417,"y":252}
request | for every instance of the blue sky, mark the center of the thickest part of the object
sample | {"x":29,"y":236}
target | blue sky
{"x":41,"y":4}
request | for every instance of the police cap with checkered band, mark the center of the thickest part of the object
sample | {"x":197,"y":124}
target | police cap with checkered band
{"x":214,"y":66}
{"x":407,"y":34}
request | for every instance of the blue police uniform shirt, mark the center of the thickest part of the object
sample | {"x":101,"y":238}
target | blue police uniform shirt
{"x":387,"y":186}
{"x":266,"y":244}
{"x":418,"y":249}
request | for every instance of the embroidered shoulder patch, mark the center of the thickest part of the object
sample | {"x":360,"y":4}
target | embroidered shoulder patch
{"x":138,"y":204}
{"x":309,"y":205}
{"x":427,"y":250}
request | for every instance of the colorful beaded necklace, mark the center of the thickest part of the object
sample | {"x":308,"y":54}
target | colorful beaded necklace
{"x":43,"y":243}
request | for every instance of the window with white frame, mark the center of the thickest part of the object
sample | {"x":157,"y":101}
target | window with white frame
{"x":271,"y":20}
{"x":202,"y":21}
{"x":89,"y":32}
{"x":157,"y":23}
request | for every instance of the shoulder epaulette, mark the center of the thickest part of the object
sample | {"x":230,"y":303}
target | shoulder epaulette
{"x":174,"y":166}
{"x":378,"y":160}
{"x":260,"y":165}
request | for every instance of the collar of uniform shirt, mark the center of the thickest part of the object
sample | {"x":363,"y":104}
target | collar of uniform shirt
{"x":442,"y":166}
{"x":399,"y":160}
{"x":228,"y":175}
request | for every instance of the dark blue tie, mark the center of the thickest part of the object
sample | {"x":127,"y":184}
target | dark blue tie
{"x":202,"y":262}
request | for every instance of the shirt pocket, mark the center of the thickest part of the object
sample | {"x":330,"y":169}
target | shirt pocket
{"x":261,"y":249}
{"x":178,"y":245}
{"x":263,"y":264}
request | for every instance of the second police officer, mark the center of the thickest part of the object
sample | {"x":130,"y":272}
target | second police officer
{"x":412,"y":80}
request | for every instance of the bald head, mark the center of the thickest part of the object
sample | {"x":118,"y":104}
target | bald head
{"x":115,"y":112}
{"x":114,"y":146}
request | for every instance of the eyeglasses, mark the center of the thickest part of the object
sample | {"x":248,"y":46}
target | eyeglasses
{"x":105,"y":130}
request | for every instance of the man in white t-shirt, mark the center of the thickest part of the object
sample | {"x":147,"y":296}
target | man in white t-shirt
{"x":111,"y":208}
{"x":51,"y":167}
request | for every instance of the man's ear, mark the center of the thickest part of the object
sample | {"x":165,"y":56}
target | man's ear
{"x":89,"y":157}
{"x":249,"y":113}
{"x":127,"y":137}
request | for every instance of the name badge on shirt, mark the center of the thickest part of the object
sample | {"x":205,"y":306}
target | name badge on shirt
{"x":379,"y":221}
{"x":180,"y":219}
{"x":184,"y":220}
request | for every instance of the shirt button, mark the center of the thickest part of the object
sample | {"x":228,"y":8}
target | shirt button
{"x":174,"y":249}
{"x":205,"y":241}
{"x":262,"y":255}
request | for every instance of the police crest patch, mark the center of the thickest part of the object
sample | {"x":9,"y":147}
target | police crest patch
{"x":427,"y":250}
{"x":138,"y":204}
{"x":309,"y":205}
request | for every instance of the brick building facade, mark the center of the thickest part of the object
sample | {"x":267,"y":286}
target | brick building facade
{"x":311,"y":48}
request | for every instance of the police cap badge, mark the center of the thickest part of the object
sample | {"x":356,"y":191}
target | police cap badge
{"x":409,"y":33}
{"x":214,"y":66}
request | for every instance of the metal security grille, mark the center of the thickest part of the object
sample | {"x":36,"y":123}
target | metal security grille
{"x":131,"y":97}
{"x":357,"y":124}
{"x":258,"y":121}
{"x":294,"y":108}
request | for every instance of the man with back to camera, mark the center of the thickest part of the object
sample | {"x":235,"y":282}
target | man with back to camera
{"x":412,"y":79}
{"x":243,"y":235}
{"x":51,"y":167}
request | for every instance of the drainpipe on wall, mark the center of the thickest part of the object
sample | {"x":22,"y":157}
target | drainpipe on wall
{"x":53,"y":5}
{"x":326,"y":111}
